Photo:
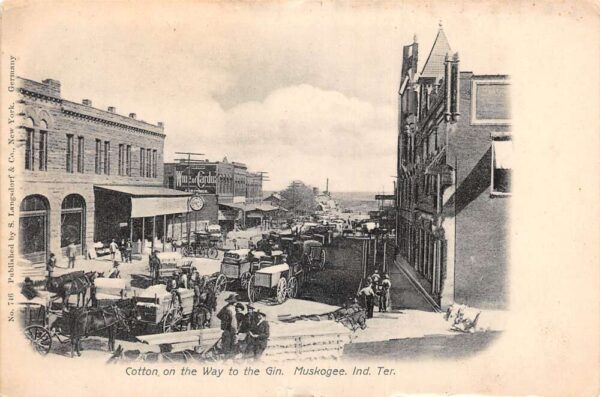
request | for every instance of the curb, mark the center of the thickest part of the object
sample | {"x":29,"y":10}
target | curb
{"x":418,"y":287}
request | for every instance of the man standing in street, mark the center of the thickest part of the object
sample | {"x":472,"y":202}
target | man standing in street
{"x":228,"y":326}
{"x":368,"y":296}
{"x":71,"y":254}
{"x":154,"y":264}
{"x":50,"y":265}
{"x":384,"y":297}
{"x":258,"y":336}
{"x":113,"y":248}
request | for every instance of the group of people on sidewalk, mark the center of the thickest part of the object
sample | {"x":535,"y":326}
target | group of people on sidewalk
{"x":376,"y":289}
{"x":236,"y":324}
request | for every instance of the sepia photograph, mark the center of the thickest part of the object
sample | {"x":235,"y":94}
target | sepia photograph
{"x":275,"y":191}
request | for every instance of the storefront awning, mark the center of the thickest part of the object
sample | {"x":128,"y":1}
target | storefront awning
{"x":149,"y":201}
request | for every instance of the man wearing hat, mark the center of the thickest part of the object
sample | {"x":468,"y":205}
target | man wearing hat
{"x":248,"y":320}
{"x":258,"y":335}
{"x":228,"y":325}
{"x":368,"y":296}
{"x":384,"y":297}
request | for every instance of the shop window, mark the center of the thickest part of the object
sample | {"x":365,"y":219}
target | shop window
{"x":72,"y":220}
{"x":33,"y":227}
{"x":501,"y":167}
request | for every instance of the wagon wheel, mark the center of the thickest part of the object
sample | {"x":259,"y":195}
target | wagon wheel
{"x":171,"y":321}
{"x":186,"y":250}
{"x":212,"y":253}
{"x":253,"y":290}
{"x":293,"y":287}
{"x":281,"y":290}
{"x":220,"y":284}
{"x":322,"y":260}
{"x":244,"y":278}
{"x":40,"y":338}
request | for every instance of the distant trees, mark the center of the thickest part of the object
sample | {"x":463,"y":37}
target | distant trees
{"x":299,"y":198}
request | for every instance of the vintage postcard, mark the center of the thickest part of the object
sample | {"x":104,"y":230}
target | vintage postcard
{"x":299,"y":198}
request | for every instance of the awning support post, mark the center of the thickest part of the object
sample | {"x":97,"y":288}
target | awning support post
{"x":153,"y":232}
{"x":164,"y":235}
{"x":143,"y":240}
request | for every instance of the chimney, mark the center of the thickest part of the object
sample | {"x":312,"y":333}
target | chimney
{"x":161,"y":124}
{"x":87,"y":102}
{"x":53,"y":86}
{"x":132,"y":115}
{"x":112,"y":109}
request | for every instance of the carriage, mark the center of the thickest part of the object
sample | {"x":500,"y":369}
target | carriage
{"x":204,"y":244}
{"x":310,"y":253}
{"x":282,"y":280}
{"x":157,"y":307}
{"x":239,"y":265}
{"x":34,"y":321}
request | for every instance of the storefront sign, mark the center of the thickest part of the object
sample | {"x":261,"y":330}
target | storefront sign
{"x":200,"y":178}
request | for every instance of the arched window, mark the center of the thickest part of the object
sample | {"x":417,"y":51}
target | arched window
{"x":72,"y":221}
{"x":43,"y":146}
{"x":33,"y":228}
{"x":29,"y":139}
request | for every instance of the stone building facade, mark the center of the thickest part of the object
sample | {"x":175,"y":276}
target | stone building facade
{"x":454,"y":169}
{"x":69,"y":152}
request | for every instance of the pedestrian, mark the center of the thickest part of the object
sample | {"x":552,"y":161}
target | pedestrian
{"x":228,"y":326}
{"x":258,"y":335}
{"x":173,"y":288}
{"x":183,"y":280}
{"x":239,"y":315}
{"x":28,"y":290}
{"x":368,"y":297}
{"x":113,"y":248}
{"x":50,"y":265}
{"x":385,"y":301}
{"x":71,"y":254}
{"x":114,"y":271}
{"x":128,"y":250}
{"x":155,"y":266}
{"x":249,"y":319}
{"x":251,"y":245}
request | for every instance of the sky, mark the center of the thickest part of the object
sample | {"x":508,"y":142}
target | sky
{"x":301,"y":90}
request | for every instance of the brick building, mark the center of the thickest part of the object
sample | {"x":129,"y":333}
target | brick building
{"x":227,"y":189}
{"x":89,"y":175}
{"x":454,"y":168}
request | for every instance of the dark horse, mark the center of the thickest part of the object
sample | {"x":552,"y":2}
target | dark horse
{"x":88,"y":321}
{"x":74,"y":283}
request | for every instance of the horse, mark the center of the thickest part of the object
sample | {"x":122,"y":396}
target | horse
{"x":74,"y":283}
{"x":85,"y":321}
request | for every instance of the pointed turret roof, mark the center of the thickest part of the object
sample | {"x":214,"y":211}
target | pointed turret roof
{"x":434,"y":66}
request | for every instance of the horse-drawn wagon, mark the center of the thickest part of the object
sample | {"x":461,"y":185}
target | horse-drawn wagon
{"x":160,"y":308}
{"x":34,"y":321}
{"x":310,"y":253}
{"x":281,"y":280}
{"x":204,"y":244}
